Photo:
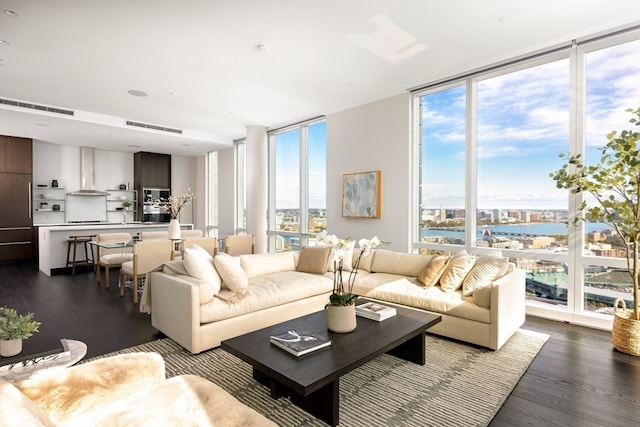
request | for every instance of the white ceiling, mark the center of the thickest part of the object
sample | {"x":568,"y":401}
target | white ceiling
{"x":200,"y":64}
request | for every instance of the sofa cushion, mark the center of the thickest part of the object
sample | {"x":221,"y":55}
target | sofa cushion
{"x":457,"y":269}
{"x":232,"y":274}
{"x":408,"y":291}
{"x":386,"y":261}
{"x":314,"y":259}
{"x":199,"y":264}
{"x":17,"y":410}
{"x":484,"y":271}
{"x":269,"y":290}
{"x":432,"y":272}
{"x":482,"y":296}
{"x":259,"y":264}
{"x":365,"y":261}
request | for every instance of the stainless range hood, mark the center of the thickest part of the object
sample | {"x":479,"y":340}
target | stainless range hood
{"x":88,"y":174}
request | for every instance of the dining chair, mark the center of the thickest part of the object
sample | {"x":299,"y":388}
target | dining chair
{"x":190,"y":234}
{"x":209,"y":244}
{"x":148,"y":256}
{"x":111,"y":258}
{"x":153,"y":235}
{"x":239,"y":244}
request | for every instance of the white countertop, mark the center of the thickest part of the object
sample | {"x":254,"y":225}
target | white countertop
{"x":100,"y":225}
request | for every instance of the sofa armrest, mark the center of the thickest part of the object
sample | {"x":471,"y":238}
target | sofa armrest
{"x":507,"y":307}
{"x":65,"y":393}
{"x":176,"y":308}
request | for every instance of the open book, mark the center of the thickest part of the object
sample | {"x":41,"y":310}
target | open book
{"x":299,"y":343}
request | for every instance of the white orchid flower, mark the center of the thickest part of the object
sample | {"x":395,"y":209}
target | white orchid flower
{"x":332,"y":240}
{"x":321,"y":238}
{"x":374,"y":242}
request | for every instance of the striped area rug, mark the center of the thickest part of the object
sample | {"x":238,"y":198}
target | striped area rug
{"x":460,"y":385}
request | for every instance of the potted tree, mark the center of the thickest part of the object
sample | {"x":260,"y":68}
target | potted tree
{"x":614,"y":183}
{"x":13,"y":329}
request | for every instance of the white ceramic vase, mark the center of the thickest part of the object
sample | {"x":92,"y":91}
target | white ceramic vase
{"x":341,"y":318}
{"x":174,"y":229}
{"x":10,"y":348}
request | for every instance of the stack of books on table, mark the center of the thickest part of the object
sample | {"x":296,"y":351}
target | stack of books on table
{"x":36,"y":350}
{"x":375,"y":311}
{"x":299,"y":343}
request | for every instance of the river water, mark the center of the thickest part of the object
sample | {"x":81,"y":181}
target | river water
{"x":531,"y":229}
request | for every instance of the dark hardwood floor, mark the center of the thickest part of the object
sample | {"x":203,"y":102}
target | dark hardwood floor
{"x":576,"y":380}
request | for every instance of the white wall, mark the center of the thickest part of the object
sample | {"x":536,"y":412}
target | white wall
{"x":188,"y":173}
{"x":374,"y":136}
{"x":62,"y":162}
{"x":112,"y":168}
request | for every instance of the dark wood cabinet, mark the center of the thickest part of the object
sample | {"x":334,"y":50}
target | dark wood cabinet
{"x":152,"y":170}
{"x":16,"y":231}
{"x":15,"y":155}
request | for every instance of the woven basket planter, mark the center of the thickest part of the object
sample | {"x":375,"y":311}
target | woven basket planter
{"x":625,"y":334}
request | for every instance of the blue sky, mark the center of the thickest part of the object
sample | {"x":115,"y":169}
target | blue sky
{"x":288,"y":172}
{"x":523,"y":125}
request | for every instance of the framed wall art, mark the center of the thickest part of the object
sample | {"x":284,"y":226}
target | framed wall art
{"x":361,"y":195}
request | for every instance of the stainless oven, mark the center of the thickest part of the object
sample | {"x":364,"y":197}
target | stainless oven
{"x":153,"y":199}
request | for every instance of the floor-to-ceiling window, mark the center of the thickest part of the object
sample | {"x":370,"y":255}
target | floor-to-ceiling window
{"x":487,"y":143}
{"x":297,"y":180}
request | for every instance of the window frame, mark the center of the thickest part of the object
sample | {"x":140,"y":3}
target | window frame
{"x":574,"y":311}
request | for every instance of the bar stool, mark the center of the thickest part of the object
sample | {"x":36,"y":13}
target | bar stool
{"x":88,"y":260}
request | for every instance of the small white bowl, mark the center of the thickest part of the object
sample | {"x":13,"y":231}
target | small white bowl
{"x":48,"y":196}
{"x":122,"y":197}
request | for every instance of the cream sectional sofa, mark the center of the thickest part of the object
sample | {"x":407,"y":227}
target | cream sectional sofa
{"x":200,"y":312}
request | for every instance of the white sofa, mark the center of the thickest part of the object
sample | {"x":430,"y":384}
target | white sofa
{"x":198,"y":313}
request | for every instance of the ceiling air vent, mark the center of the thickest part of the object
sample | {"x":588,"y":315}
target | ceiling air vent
{"x":154,"y":127}
{"x":38,"y":107}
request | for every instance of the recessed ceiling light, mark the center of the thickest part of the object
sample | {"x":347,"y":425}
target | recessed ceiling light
{"x":173,"y":94}
{"x":10,"y":13}
{"x":44,"y":125}
{"x":136,"y":92}
{"x":263,"y":47}
{"x":135,"y":146}
{"x":4,"y":42}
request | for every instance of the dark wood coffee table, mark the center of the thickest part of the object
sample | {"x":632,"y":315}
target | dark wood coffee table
{"x":312,"y":381}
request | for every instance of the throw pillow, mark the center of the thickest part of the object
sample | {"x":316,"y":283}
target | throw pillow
{"x":200,"y":266}
{"x":485,"y":271}
{"x":459,"y":266}
{"x":314,"y":259}
{"x":232,"y":274}
{"x":347,"y":259}
{"x":432,"y":272}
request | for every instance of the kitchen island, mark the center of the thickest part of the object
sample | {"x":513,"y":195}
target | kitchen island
{"x":52,"y":239}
